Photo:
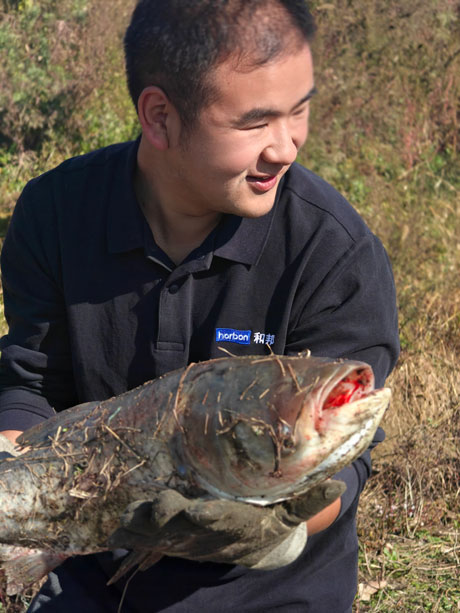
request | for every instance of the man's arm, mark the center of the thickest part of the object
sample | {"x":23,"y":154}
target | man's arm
{"x":352,"y":315}
{"x":35,"y":366}
{"x":324,"y":518}
{"x":11,"y":435}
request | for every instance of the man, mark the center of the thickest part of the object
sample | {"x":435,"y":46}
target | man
{"x":140,"y":258}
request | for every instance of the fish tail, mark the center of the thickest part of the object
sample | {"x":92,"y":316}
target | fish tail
{"x":23,"y":567}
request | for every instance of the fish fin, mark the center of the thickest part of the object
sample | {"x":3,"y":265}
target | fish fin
{"x":149,"y":560}
{"x":23,"y":567}
{"x":40,"y":434}
{"x":142,"y":559}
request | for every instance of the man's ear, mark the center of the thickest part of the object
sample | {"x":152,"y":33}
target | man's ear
{"x":154,"y":110}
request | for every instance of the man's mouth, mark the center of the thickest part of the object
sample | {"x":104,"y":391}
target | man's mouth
{"x":262,"y":183}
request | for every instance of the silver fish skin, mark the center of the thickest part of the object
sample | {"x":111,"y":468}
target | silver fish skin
{"x":254,"y":429}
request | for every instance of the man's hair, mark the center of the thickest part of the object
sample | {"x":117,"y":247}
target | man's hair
{"x":174,"y":44}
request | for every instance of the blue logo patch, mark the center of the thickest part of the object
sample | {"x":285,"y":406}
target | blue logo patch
{"x":228,"y":335}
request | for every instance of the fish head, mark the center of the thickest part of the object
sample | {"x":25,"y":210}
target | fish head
{"x":262,"y":430}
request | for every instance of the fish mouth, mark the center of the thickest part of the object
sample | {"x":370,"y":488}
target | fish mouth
{"x":373,"y":405}
{"x":328,"y":398}
{"x":346,"y":386}
{"x":367,"y":411}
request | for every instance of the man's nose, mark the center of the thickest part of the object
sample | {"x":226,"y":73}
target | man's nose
{"x":282,"y":148}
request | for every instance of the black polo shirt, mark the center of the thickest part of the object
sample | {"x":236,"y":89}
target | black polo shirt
{"x":94,"y":308}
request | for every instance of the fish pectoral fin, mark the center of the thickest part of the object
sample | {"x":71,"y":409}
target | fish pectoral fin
{"x":142,"y":559}
{"x":23,"y":567}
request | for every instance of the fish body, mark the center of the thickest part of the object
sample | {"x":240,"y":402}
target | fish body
{"x":254,"y":429}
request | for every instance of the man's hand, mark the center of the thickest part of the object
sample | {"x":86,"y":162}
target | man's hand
{"x":223,"y":531}
{"x":7,"y":448}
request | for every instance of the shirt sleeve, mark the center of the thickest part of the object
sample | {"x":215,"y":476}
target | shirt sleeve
{"x":35,"y":365}
{"x":352,"y":314}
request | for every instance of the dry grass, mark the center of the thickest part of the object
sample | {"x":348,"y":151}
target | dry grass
{"x":385,"y":132}
{"x":409,"y":514}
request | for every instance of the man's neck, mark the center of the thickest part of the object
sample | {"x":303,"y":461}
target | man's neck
{"x":175,"y":231}
{"x":176,"y":234}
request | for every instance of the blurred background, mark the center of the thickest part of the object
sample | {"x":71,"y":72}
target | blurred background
{"x":384,"y":132}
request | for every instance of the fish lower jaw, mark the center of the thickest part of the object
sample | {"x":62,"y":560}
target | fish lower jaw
{"x":342,"y":456}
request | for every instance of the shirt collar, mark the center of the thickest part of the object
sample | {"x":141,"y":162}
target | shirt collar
{"x":238,"y":239}
{"x":242,"y":239}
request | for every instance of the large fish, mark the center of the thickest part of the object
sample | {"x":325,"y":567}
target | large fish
{"x":254,"y":429}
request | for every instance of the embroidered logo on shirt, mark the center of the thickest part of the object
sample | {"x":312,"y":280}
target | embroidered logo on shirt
{"x":243,"y":337}
{"x":228,"y":335}
{"x":264,"y":339}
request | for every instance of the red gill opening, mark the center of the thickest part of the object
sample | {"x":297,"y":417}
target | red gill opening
{"x":356,"y":385}
{"x":348,"y":390}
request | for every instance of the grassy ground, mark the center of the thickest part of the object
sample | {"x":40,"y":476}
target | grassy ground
{"x":385,"y":132}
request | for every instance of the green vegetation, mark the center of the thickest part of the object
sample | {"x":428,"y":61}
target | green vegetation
{"x":385,"y":132}
{"x":62,"y":89}
{"x":418,"y":574}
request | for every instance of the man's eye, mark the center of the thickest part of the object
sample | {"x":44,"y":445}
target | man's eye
{"x":257,"y":127}
{"x":300,"y":112}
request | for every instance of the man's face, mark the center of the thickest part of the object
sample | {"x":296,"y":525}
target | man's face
{"x":245,"y":141}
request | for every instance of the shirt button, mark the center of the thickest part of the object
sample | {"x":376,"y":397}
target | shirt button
{"x":174,"y":289}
